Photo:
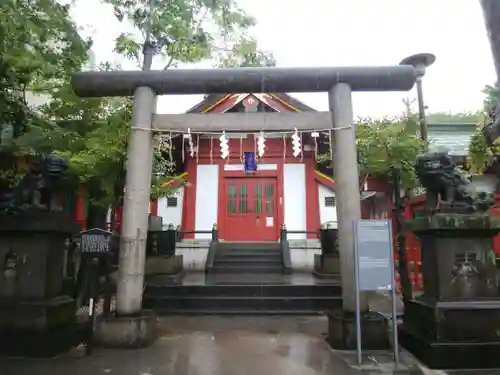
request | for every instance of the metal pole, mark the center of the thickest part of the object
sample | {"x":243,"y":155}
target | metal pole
{"x":359,"y":346}
{"x":395,"y":341}
{"x":420,"y":62}
{"x":347,"y":190}
{"x":421,"y":110}
{"x":137,"y":194}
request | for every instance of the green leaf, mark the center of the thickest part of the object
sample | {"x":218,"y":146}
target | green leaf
{"x":183,"y":31}
{"x":386,"y":144}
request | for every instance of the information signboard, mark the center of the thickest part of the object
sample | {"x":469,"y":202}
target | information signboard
{"x":374,"y":270}
{"x":374,"y":245}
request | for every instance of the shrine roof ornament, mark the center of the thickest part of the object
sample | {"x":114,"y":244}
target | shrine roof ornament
{"x":280,"y":102}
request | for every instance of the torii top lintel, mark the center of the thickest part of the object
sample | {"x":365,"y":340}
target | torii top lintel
{"x":237,"y":80}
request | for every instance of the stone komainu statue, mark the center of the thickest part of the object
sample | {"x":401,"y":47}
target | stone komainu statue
{"x":39,"y":189}
{"x":446,"y":185}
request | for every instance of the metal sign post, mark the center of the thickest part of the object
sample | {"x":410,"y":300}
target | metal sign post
{"x":96,"y":246}
{"x":374,"y":271}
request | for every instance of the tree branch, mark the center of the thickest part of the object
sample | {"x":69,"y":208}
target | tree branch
{"x":170,"y":61}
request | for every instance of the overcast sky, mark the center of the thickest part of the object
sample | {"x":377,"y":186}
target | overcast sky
{"x":353,"y":32}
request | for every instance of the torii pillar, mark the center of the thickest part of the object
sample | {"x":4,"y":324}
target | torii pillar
{"x":338,"y":82}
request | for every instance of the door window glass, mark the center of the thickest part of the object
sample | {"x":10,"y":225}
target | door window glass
{"x":243,"y":209}
{"x":231,"y":199}
{"x":231,"y":206}
{"x":269,"y":199}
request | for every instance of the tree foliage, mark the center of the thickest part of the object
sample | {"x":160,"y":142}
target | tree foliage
{"x":245,"y":53}
{"x":182,"y":31}
{"x":41,"y":48}
{"x":481,"y":154}
{"x":386,"y":144}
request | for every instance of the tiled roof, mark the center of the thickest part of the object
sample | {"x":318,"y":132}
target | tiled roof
{"x":452,"y":138}
{"x":456,"y":143}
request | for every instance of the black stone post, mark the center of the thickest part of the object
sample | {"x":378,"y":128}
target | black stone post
{"x":215,"y":233}
{"x":283,"y":233}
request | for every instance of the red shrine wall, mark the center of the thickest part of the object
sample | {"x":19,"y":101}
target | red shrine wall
{"x":277,"y":155}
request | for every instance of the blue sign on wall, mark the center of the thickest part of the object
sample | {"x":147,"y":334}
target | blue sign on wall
{"x":250,"y":162}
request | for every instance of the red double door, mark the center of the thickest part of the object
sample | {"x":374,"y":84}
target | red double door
{"x":250,"y":209}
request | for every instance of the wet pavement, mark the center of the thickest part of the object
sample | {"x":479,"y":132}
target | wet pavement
{"x":225,"y":349}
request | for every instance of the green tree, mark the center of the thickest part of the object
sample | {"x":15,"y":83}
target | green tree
{"x":386,"y":144}
{"x":482,"y":154}
{"x":93,"y":133}
{"x":245,"y":53}
{"x":183,"y":31}
{"x":39,"y":48}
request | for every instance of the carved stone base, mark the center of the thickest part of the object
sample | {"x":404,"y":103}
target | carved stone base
{"x":38,"y":328}
{"x":31,"y":343}
{"x":453,"y":334}
{"x":38,"y":315}
{"x":326,"y":265}
{"x":454,"y":320}
{"x":342,"y":331}
{"x":450,"y":355}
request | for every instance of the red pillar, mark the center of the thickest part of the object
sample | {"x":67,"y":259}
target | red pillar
{"x":80,"y":216}
{"x":154,"y":208}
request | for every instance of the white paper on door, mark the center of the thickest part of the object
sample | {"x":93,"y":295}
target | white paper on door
{"x":270,"y":221}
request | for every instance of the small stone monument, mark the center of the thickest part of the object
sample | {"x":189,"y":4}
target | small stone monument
{"x":455,"y":322}
{"x":327,"y":263}
{"x":162,"y":264}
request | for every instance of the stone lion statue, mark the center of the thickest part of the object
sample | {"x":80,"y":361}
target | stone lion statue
{"x":39,"y":189}
{"x":447,"y":186}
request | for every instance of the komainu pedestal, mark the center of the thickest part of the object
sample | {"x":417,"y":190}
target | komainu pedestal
{"x":36,"y":318}
{"x":455,"y":323}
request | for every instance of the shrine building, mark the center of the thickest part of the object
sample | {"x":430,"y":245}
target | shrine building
{"x":247,"y":196}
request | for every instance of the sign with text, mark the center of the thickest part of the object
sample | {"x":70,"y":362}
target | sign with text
{"x":250,"y":162}
{"x":374,"y":271}
{"x":374,"y":255}
{"x":96,"y":241}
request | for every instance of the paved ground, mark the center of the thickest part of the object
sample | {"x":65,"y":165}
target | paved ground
{"x":215,"y":348}
{"x":218,"y":345}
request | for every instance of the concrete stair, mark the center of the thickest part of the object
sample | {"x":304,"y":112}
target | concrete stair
{"x":245,"y":297}
{"x":249,"y":258}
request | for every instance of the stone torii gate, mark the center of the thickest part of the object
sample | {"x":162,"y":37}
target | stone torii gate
{"x":339,"y":83}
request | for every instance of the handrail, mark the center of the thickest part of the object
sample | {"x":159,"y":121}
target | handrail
{"x":195,"y":231}
{"x":212,"y":249}
{"x":285,"y":250}
{"x":303,"y":231}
